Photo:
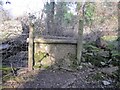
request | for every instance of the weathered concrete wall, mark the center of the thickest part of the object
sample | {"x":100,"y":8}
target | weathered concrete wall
{"x":60,"y":55}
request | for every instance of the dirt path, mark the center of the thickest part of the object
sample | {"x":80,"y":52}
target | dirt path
{"x":84,"y":78}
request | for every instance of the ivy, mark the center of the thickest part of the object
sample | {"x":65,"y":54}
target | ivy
{"x":89,"y":13}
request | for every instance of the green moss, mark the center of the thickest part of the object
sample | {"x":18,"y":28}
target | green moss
{"x":45,"y":66}
{"x":5,"y":68}
{"x":4,"y":87}
{"x":39,"y":56}
{"x":36,"y":66}
{"x":109,"y":38}
{"x":41,"y":66}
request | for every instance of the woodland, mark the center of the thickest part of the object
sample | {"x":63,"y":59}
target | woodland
{"x":65,"y":45}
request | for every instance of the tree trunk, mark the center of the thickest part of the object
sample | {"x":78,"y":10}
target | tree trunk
{"x":59,"y":17}
{"x":50,"y":18}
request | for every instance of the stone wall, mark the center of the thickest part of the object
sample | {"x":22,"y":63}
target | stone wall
{"x":56,"y":55}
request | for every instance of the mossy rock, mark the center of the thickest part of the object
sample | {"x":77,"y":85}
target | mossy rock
{"x":44,"y":63}
{"x":45,"y":67}
{"x":37,"y":66}
{"x":39,"y":56}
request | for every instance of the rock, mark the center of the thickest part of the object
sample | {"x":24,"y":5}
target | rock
{"x":109,"y":70}
{"x":46,"y":62}
{"x":101,"y":43}
{"x":103,"y":53}
{"x":87,"y":65}
{"x":90,"y":65}
{"x":4,"y":46}
{"x":83,"y":59}
{"x":91,"y":54}
{"x":102,"y":63}
{"x":106,"y":83}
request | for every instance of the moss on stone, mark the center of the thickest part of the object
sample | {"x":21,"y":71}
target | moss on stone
{"x":41,"y":60}
{"x":36,"y":66}
{"x":45,"y":66}
{"x":39,"y":56}
{"x":39,"y":66}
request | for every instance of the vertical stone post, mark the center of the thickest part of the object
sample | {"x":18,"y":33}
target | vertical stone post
{"x":30,"y":48}
{"x":80,"y":41}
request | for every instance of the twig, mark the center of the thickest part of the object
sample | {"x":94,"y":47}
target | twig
{"x":7,"y":75}
{"x":70,"y":70}
{"x":12,"y":69}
